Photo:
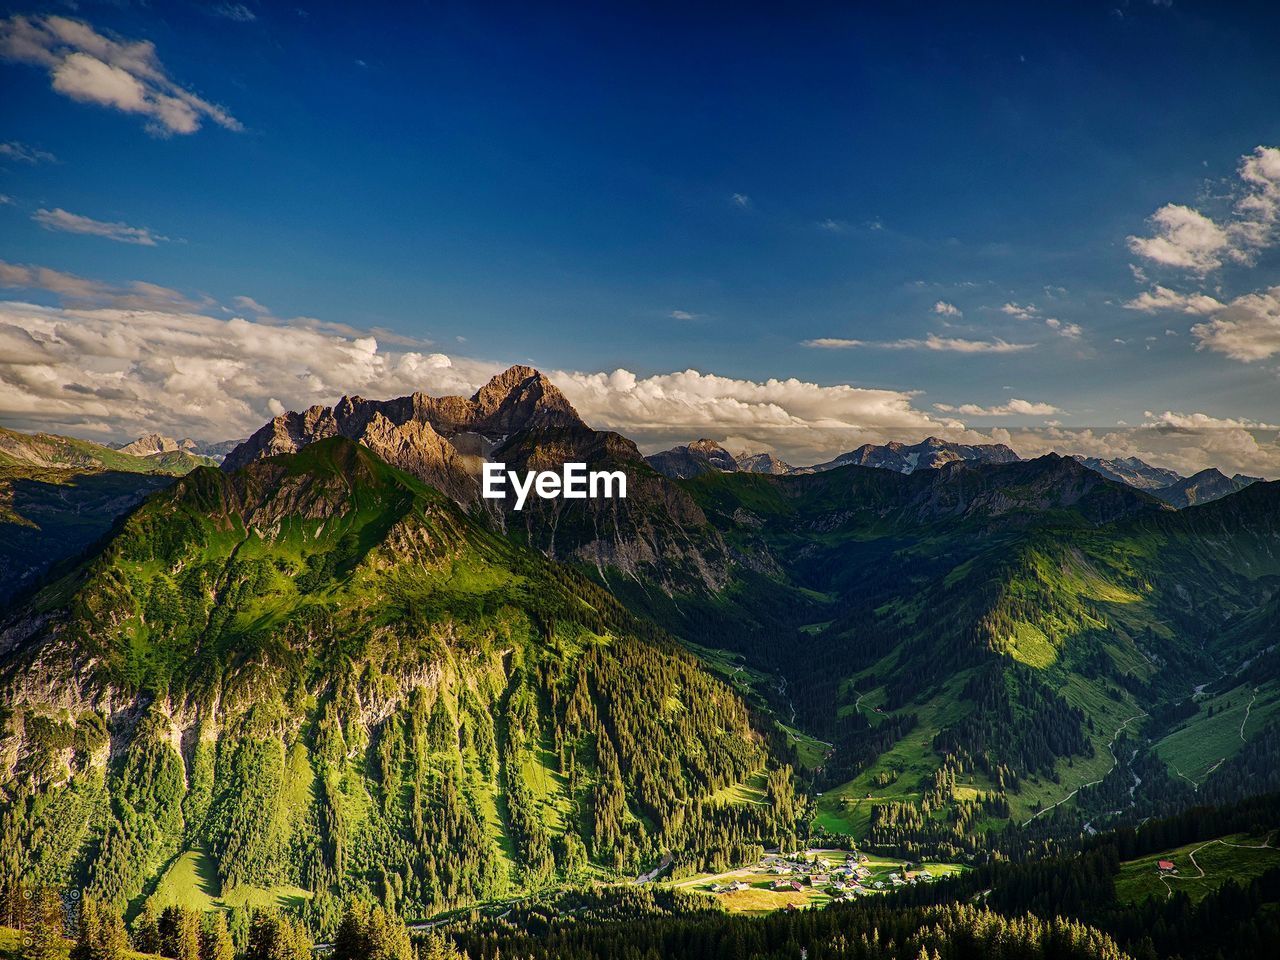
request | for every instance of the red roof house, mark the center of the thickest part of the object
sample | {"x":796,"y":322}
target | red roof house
{"x":1165,"y":864}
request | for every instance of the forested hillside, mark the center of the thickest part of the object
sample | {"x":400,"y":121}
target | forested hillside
{"x":316,"y":677}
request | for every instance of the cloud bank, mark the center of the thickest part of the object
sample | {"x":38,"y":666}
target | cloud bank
{"x":118,"y":360}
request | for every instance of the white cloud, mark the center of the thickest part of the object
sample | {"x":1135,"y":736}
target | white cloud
{"x":931,"y":342}
{"x":248,"y":303}
{"x":1188,"y":239}
{"x":1015,"y":407}
{"x":803,"y":422}
{"x":1072,"y":331}
{"x":740,"y":200}
{"x":25,"y":153}
{"x":1160,"y":298}
{"x":944,"y":309}
{"x":5,"y":199}
{"x":833,"y":226}
{"x":1246,"y":329}
{"x":1187,"y":443}
{"x":65,"y":222}
{"x":120,"y":372}
{"x":76,"y":290}
{"x":92,"y":68}
{"x":683,"y":315}
{"x":1020,"y":312}
{"x":1029,"y":311}
{"x":1184,"y":238}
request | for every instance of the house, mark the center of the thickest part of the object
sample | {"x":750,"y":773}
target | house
{"x":1166,"y":866}
{"x":879,"y":884}
{"x":819,"y":879}
{"x":782,"y":885}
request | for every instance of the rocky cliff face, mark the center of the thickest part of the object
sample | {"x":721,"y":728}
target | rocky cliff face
{"x":442,"y":440}
{"x":523,"y":420}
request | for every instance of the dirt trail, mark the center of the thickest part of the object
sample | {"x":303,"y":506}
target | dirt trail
{"x":1165,"y":878}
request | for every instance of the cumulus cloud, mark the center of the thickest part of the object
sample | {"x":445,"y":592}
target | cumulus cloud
{"x":117,"y":371}
{"x":125,"y":75}
{"x":1187,"y":239}
{"x":1184,"y":238}
{"x":1159,"y":299}
{"x":931,"y":342}
{"x":944,"y":309}
{"x":65,"y":222}
{"x":1246,"y":329}
{"x":1015,"y":407}
{"x":801,"y":421}
{"x":683,"y":315}
{"x":13,"y":150}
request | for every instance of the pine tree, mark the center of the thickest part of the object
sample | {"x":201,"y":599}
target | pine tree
{"x":88,"y":932}
{"x":215,"y":940}
{"x":46,"y":927}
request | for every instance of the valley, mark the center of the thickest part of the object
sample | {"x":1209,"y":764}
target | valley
{"x":331,"y":669}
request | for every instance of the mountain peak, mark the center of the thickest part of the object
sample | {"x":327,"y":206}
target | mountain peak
{"x":929,"y":454}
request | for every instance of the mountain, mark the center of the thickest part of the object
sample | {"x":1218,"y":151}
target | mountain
{"x":59,"y":495}
{"x":520,"y":418}
{"x":1136,"y":473}
{"x":317,"y":677}
{"x":46,"y":450}
{"x":442,"y":441}
{"x":928,"y":454}
{"x":763,"y":463}
{"x":706,"y":456}
{"x":692,"y":459}
{"x":1203,"y":487}
{"x":153,"y":443}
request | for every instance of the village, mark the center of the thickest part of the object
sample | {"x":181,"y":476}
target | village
{"x":812,"y":878}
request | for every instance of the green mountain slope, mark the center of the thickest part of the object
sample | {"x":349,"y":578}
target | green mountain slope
{"x":317,"y":677}
{"x":59,"y":495}
{"x":982,"y":644}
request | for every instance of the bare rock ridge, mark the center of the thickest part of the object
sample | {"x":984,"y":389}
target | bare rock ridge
{"x":442,"y":440}
{"x":521,"y":419}
{"x":153,"y":443}
{"x":929,"y":454}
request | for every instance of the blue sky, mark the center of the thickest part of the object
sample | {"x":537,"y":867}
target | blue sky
{"x":900,"y":202}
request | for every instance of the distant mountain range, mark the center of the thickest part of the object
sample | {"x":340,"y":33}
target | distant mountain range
{"x":706,"y":456}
